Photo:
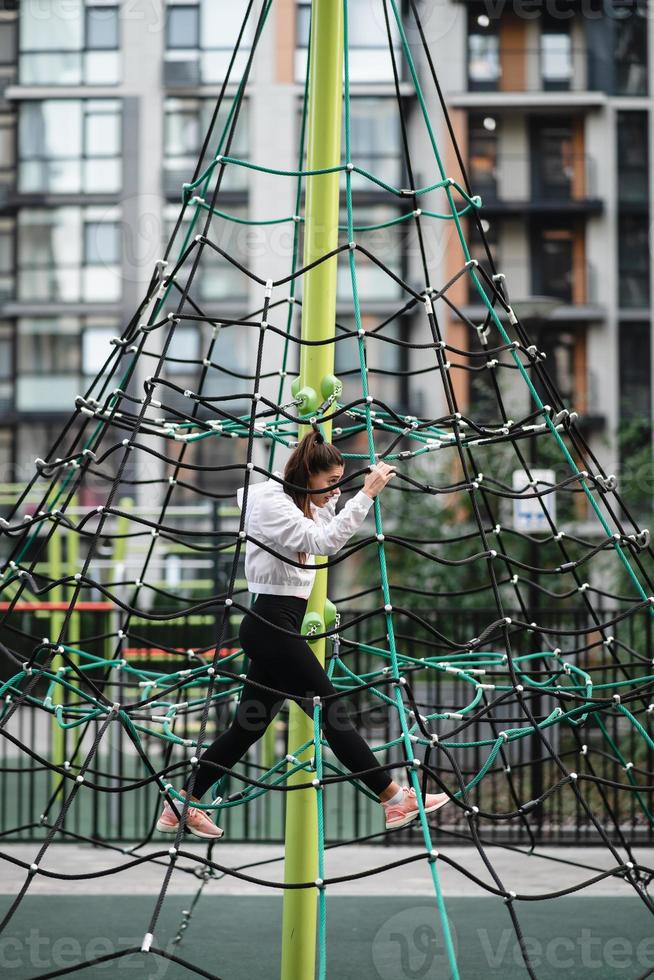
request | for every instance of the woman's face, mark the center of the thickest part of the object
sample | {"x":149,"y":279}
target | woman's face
{"x":325,"y":480}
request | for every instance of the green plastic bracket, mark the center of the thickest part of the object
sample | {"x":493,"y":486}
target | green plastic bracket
{"x":330,"y":614}
{"x":314,"y":621}
{"x":331,"y":385}
{"x":308,"y":400}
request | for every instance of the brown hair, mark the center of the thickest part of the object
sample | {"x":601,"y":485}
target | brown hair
{"x":312,"y":455}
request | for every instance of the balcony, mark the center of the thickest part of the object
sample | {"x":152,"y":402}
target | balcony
{"x":500,"y":75}
{"x":543,"y":77}
{"x":577,"y":290}
{"x":517,"y":182}
{"x":552,"y":67}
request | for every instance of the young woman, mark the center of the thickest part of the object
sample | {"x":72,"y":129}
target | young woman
{"x":297,"y":525}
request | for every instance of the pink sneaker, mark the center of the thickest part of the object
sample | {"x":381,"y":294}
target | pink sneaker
{"x":198,"y":822}
{"x":400,"y":814}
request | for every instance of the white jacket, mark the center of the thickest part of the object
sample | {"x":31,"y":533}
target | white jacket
{"x":273,"y":519}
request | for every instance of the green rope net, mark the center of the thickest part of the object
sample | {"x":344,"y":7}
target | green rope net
{"x":510,"y":662}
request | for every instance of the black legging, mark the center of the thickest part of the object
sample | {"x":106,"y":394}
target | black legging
{"x":286,"y":663}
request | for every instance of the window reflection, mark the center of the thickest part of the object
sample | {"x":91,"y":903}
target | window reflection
{"x":383,"y":360}
{"x":483,"y":52}
{"x":201,"y":38}
{"x":7,"y":239}
{"x":633,"y":261}
{"x":7,"y":368}
{"x":56,"y":260}
{"x":215,"y":279}
{"x":68,"y":350}
{"x":483,"y":138}
{"x":375,"y":141}
{"x":388,"y":246}
{"x":369,"y":54}
{"x":186,"y":124}
{"x":556,"y":60}
{"x":70,"y":146}
{"x":631,"y":25}
{"x":70,"y":43}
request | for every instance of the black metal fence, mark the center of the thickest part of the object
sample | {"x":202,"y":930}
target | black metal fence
{"x":104,"y":812}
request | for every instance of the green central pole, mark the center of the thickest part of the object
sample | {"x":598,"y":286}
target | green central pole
{"x":318,"y":323}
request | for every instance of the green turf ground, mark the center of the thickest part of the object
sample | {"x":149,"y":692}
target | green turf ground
{"x":369,"y":938}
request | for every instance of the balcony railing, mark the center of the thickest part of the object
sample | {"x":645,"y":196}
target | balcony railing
{"x":577,"y":287}
{"x":513,"y":177}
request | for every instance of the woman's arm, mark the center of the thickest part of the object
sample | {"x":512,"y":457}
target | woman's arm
{"x":283,"y":523}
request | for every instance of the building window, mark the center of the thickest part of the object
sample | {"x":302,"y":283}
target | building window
{"x":200,"y":40}
{"x":7,"y":368}
{"x":7,"y":238}
{"x":483,"y":51}
{"x":383,"y":360}
{"x":68,"y":350}
{"x":7,"y":455}
{"x":389,"y":245}
{"x":75,"y":43}
{"x":633,"y":158}
{"x":183,"y":27}
{"x":482,"y":396}
{"x":7,"y":153}
{"x":478,"y":251}
{"x":552,"y":161}
{"x":185,"y":128}
{"x":63,"y":256}
{"x":369,"y":55}
{"x":552,"y":263}
{"x":102,"y":28}
{"x":231,"y":359}
{"x":562,"y":346}
{"x":555,"y":53}
{"x":47,"y":348}
{"x":8,"y":44}
{"x":483,"y":138}
{"x":184,"y":348}
{"x":97,"y":332}
{"x":375,"y":141}
{"x":635,"y":372}
{"x":635,"y":418}
{"x":633,"y":261}
{"x":70,"y":146}
{"x":215,"y":279}
{"x":630,"y":46}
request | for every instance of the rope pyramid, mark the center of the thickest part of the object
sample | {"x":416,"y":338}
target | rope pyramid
{"x":515,"y":666}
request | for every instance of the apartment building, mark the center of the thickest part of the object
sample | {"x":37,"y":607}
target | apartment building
{"x":552,"y":103}
{"x":103,"y":112}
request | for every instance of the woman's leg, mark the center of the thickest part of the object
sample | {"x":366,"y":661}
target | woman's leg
{"x":255,"y":711}
{"x":298,"y":671}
